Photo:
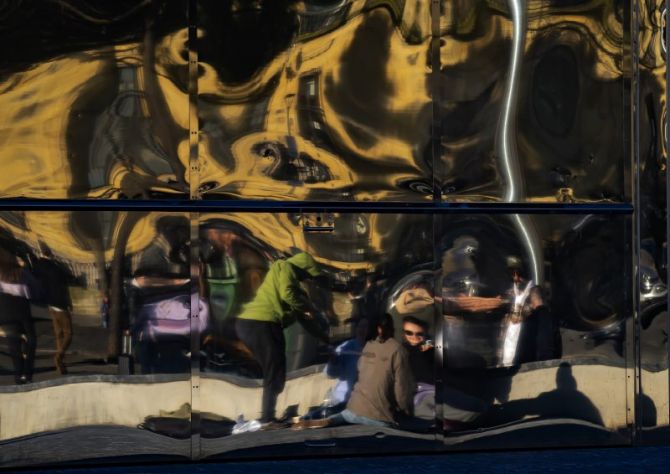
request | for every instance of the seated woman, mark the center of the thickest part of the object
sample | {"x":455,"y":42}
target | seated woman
{"x":383,"y":393}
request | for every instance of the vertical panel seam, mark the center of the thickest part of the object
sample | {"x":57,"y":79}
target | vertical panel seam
{"x":194,"y":180}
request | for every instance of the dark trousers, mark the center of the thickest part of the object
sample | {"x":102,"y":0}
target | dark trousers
{"x":266,"y":342}
{"x":540,"y":337}
{"x":22,"y":348}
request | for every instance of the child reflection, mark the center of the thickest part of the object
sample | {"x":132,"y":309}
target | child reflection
{"x":16,"y":317}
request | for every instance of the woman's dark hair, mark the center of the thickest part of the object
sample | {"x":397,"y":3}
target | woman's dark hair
{"x":413,"y":320}
{"x":385,"y":323}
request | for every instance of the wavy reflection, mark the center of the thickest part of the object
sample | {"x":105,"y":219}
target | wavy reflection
{"x":520,"y":83}
{"x":312,"y":107}
{"x":95,"y":100}
{"x":310,"y":100}
{"x":652,"y":259}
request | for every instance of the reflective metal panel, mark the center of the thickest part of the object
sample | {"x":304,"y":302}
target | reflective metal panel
{"x":653,"y":409}
{"x":95,"y":336}
{"x":315,"y":100}
{"x":94,"y":99}
{"x":531,"y":356}
{"x":294,"y":342}
{"x":531,"y":101}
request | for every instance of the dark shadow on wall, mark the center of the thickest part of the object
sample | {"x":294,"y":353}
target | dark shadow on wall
{"x":565,"y":401}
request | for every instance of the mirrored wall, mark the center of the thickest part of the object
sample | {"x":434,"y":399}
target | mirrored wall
{"x":311,"y":333}
{"x":95,"y":100}
{"x":531,"y":101}
{"x":252,"y":228}
{"x":96,"y":335}
{"x":653,"y":407}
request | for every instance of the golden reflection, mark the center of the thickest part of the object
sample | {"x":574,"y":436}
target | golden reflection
{"x":304,"y":95}
{"x":283,"y":232}
{"x":336,"y":102}
{"x":58,"y":231}
{"x":106,"y":122}
{"x":556,"y":89}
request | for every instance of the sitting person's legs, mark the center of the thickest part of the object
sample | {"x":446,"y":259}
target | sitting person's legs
{"x":345,"y":417}
{"x":352,"y":418}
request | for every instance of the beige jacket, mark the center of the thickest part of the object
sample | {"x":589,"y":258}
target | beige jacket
{"x":385,"y":383}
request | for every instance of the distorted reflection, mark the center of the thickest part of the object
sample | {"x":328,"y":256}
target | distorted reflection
{"x":18,"y":326}
{"x":504,"y":334}
{"x":504,"y":338}
{"x":343,"y":366}
{"x":564,"y":401}
{"x":278,"y":303}
{"x":529,"y":101}
{"x":307,"y":99}
{"x":160,"y":299}
{"x":653,"y":254}
{"x":383,"y":329}
{"x":100,"y":302}
{"x":54,"y":279}
{"x":86,"y":296}
{"x":95,"y":99}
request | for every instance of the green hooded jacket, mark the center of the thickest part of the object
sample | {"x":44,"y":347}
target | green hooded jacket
{"x":280,"y":299}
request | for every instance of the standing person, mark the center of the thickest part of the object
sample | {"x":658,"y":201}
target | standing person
{"x":279,"y":302}
{"x":14,"y":300}
{"x":54,"y":278}
{"x":542,"y":339}
{"x":530,"y":332}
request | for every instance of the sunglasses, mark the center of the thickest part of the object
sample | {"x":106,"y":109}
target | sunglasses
{"x":412,"y":333}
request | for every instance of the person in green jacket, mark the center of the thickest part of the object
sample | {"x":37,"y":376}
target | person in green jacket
{"x":279,"y":302}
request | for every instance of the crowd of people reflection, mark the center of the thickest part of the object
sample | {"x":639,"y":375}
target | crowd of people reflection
{"x":406,"y":346}
{"x":386,"y":372}
{"x":277,"y":317}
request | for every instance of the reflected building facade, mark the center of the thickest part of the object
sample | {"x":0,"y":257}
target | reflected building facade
{"x":249,"y":228}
